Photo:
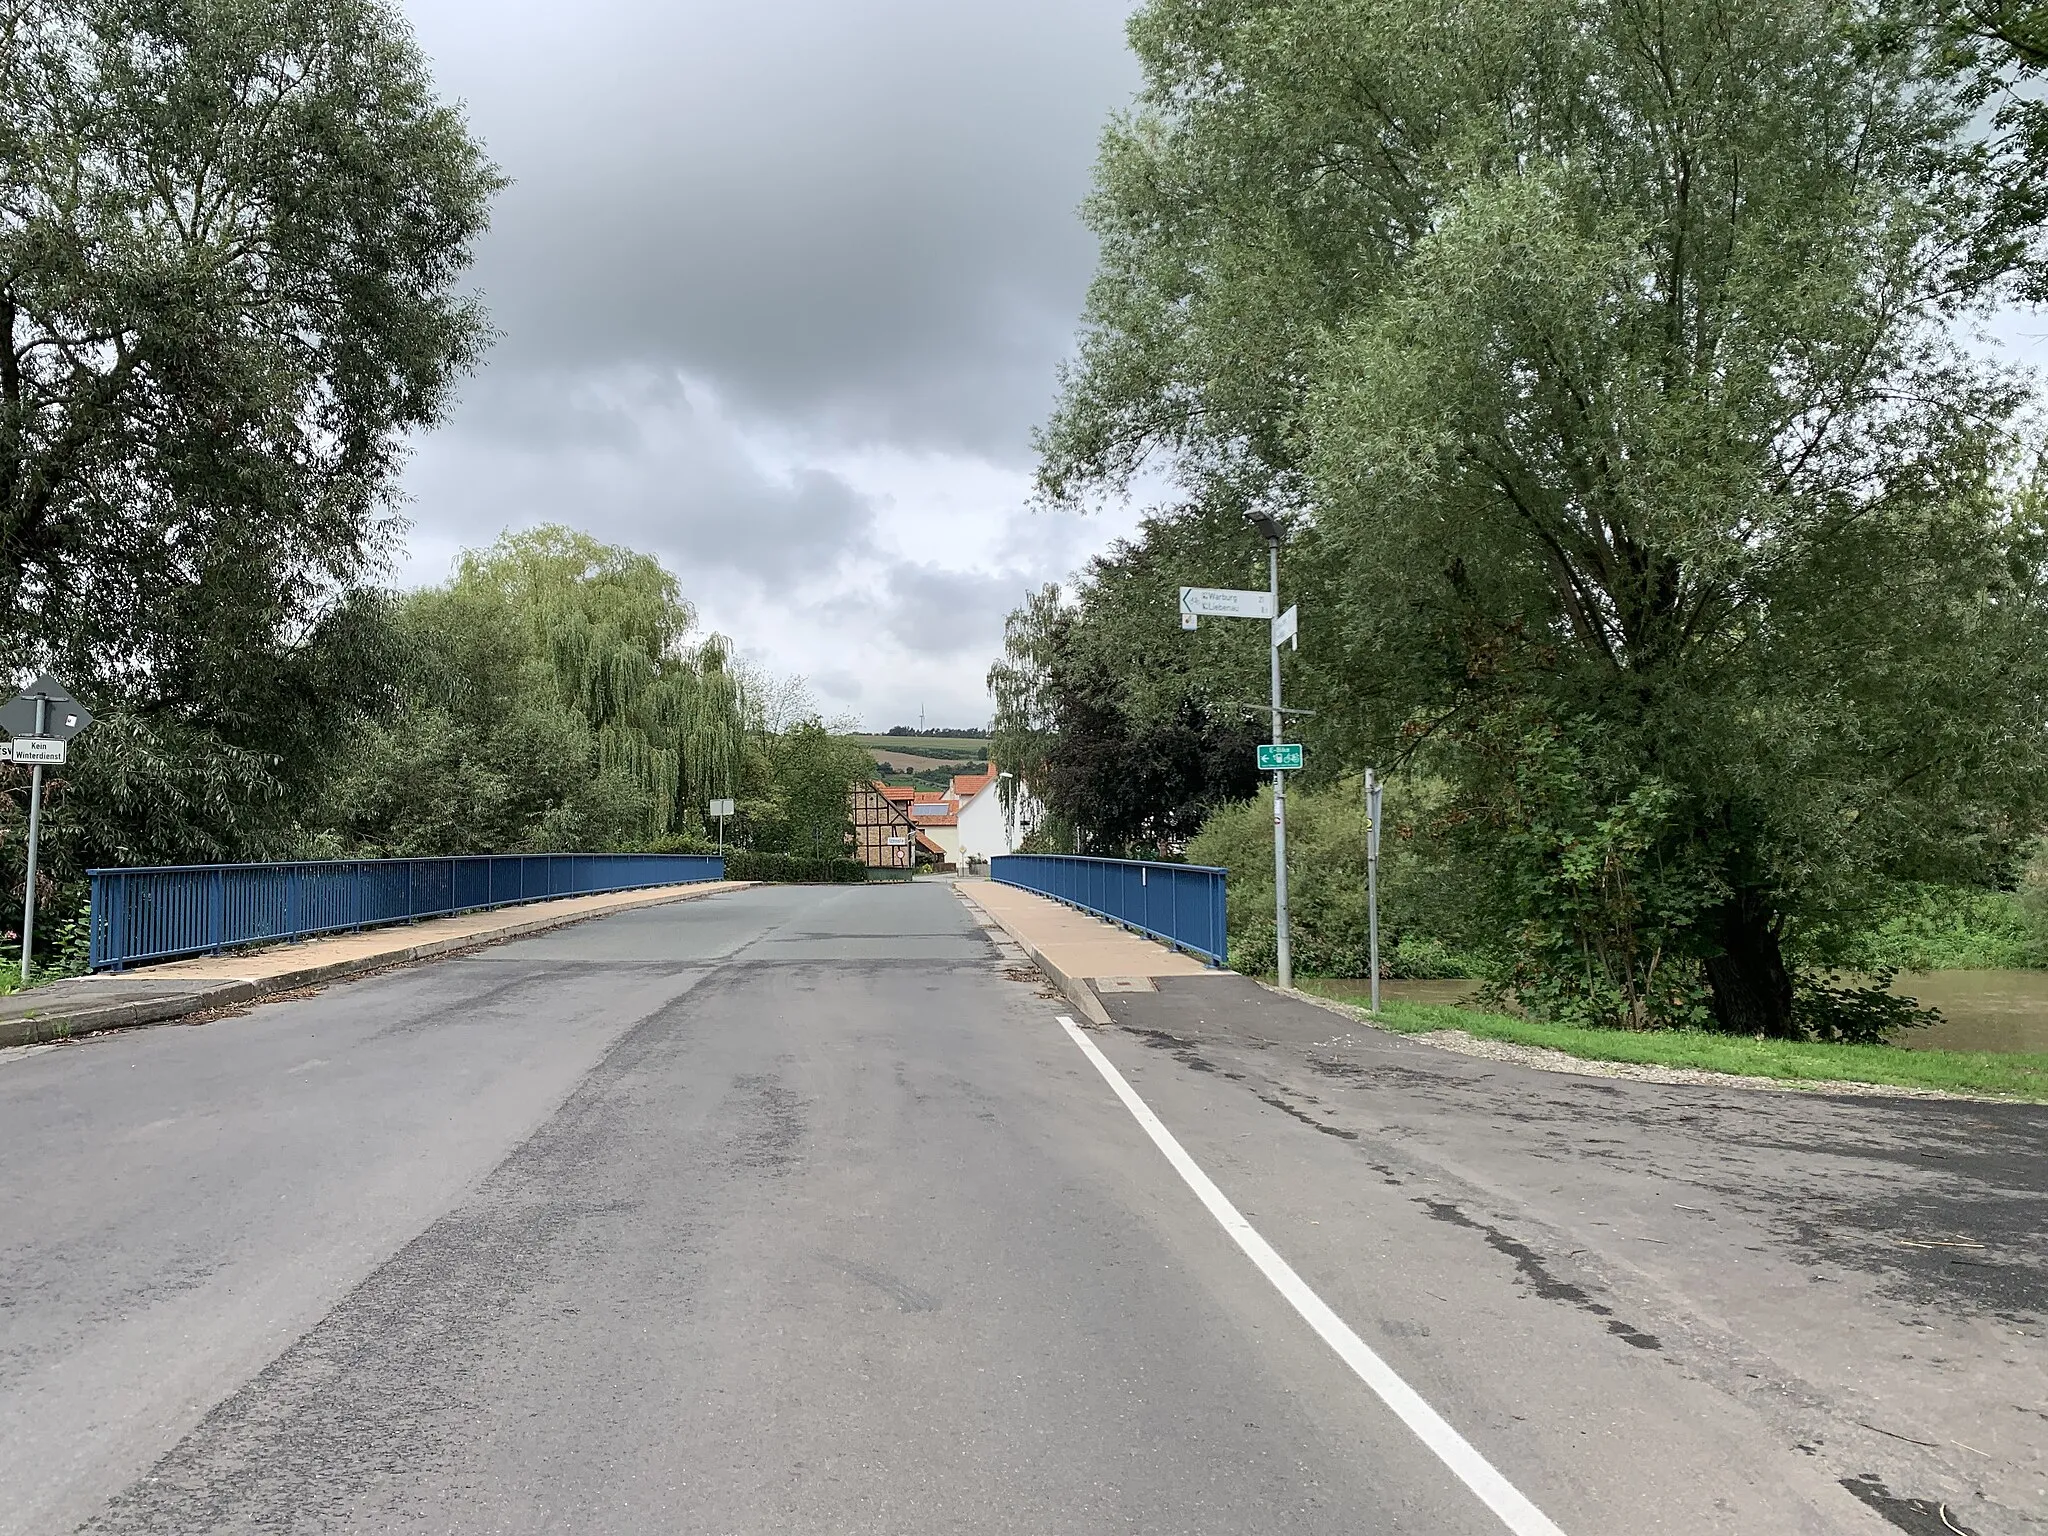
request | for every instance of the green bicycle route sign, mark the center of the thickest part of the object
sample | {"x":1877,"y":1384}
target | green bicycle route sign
{"x":1277,"y":756}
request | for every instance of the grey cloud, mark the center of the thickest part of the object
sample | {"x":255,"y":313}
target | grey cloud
{"x":938,"y":613}
{"x":633,"y":462}
{"x":859,"y":217}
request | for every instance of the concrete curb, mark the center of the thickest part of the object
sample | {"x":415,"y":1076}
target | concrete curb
{"x":63,"y":1023}
{"x":1074,"y":988}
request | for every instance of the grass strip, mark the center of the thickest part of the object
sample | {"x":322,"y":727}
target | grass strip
{"x":1998,"y":1073}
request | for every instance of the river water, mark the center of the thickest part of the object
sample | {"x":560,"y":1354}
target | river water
{"x":1981,"y":1010}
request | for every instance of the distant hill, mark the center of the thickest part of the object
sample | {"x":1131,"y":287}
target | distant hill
{"x":951,"y":747}
{"x":973,"y":733}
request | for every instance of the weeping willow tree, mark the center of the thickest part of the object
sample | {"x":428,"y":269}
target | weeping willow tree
{"x":611,"y":630}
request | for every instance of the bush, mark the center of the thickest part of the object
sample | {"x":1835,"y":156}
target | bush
{"x":1327,"y":916}
{"x":1945,"y":927}
{"x":792,"y":868}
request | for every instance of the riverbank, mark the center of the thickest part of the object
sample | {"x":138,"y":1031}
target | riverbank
{"x":1990,"y":1074}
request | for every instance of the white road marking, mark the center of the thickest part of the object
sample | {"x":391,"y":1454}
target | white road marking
{"x":1451,"y":1448}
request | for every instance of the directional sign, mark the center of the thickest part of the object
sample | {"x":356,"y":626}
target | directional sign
{"x":63,"y":716}
{"x":1224,"y":603}
{"x":38,"y":749}
{"x":1287,"y":627}
{"x":1283,"y":756}
{"x":721,"y":809}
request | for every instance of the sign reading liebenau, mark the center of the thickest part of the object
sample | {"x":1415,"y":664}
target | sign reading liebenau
{"x":1224,"y":603}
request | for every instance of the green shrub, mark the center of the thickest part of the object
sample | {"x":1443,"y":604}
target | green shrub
{"x":793,"y":869}
{"x":1946,"y":928}
{"x":1328,"y":921}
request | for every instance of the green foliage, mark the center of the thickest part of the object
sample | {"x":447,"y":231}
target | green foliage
{"x":1328,"y":926}
{"x":63,"y":947}
{"x":1596,"y":885}
{"x":1927,"y":927}
{"x":1602,"y":360}
{"x":1107,"y":717}
{"x":793,"y":868}
{"x":1854,"y":1010}
{"x":806,"y":811}
{"x":610,"y":625}
{"x":549,"y":702}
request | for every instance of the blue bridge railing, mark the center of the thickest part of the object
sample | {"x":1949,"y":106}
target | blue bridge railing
{"x":161,"y":913}
{"x":1179,"y":903}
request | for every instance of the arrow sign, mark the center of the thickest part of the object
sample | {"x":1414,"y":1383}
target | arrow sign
{"x":1223,"y":603}
{"x":1277,"y":757}
{"x":1288,"y":627}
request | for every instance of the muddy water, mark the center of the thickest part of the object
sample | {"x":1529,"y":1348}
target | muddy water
{"x":1981,"y":1010}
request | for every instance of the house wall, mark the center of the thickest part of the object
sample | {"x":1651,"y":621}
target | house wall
{"x":984,"y":832}
{"x":947,"y":837}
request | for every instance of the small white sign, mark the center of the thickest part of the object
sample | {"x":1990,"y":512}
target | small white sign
{"x":898,"y":842}
{"x":1287,"y":627}
{"x":38,"y":749}
{"x":721,"y":809}
{"x":1225,"y":603}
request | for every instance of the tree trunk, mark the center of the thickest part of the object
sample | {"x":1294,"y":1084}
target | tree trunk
{"x":1752,"y":988}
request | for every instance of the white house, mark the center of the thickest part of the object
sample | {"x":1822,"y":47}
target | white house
{"x":983,"y":830}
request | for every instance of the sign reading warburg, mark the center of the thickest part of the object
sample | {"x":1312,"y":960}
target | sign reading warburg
{"x":1224,"y":603}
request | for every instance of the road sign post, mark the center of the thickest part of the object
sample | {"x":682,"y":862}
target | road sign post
{"x":1372,"y":882}
{"x":40,"y":719}
{"x":720,"y":809}
{"x":1198,"y":603}
{"x":1283,"y":944}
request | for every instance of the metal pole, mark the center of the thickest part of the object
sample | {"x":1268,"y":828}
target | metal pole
{"x":35,"y":829}
{"x":1372,"y":880}
{"x":1279,"y":791}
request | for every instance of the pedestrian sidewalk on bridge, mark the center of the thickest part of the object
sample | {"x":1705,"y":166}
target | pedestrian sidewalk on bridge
{"x":1081,"y":954}
{"x":151,"y":994}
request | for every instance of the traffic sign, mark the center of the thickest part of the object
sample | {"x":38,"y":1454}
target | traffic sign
{"x":1288,"y":627}
{"x":62,"y":716}
{"x":720,"y":809}
{"x":1281,"y":756}
{"x":1223,"y":603}
{"x":37,"y":749}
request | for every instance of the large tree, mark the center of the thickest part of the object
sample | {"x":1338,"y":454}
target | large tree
{"x":1603,"y":357}
{"x":230,"y":237}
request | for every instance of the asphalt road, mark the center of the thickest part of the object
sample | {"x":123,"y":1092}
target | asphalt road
{"x":797,"y":1210}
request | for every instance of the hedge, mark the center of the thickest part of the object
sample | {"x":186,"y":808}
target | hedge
{"x":792,"y":868}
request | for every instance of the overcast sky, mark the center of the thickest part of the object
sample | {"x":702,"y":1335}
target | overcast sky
{"x":782,"y":288}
